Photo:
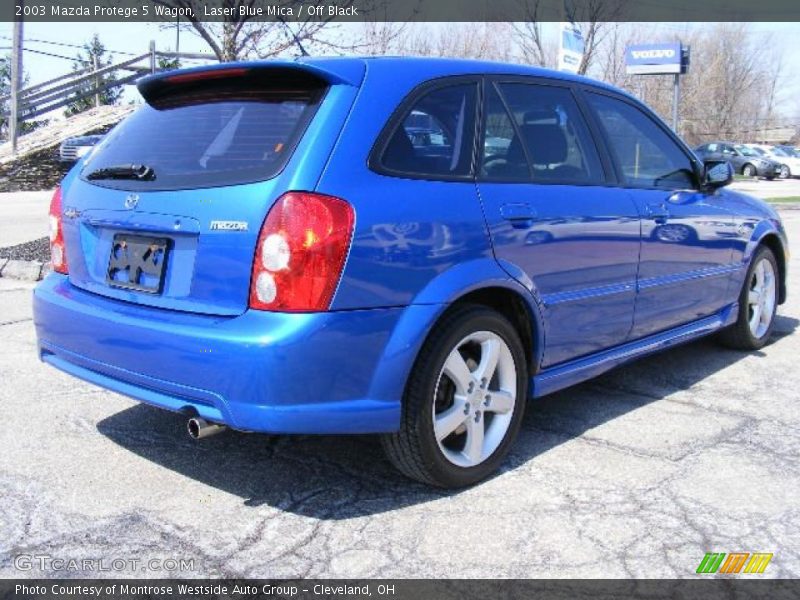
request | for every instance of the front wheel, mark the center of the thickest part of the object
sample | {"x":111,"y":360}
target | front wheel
{"x":785,"y":172}
{"x":758,"y":303}
{"x":464,"y":400}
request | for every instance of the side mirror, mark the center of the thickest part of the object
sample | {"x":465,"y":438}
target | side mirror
{"x":717,"y":173}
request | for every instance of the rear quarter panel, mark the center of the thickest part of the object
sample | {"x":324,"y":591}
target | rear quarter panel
{"x":408,"y":231}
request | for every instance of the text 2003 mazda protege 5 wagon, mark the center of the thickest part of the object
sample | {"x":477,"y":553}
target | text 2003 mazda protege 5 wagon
{"x":410,"y":247}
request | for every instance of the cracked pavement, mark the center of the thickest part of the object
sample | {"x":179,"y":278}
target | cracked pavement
{"x":637,"y":473}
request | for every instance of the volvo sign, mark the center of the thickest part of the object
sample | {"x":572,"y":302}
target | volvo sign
{"x":653,"y":59}
{"x":660,"y":59}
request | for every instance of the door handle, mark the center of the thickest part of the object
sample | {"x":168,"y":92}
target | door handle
{"x":520,"y":215}
{"x":657,"y":212}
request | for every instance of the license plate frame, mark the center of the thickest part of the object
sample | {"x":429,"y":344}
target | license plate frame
{"x":143,"y":257}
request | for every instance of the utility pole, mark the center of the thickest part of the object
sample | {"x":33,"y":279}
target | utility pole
{"x":152,"y":56}
{"x":96,"y":82}
{"x":16,"y":82}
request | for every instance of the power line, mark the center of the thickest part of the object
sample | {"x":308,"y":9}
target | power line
{"x":66,"y":45}
{"x":70,"y":58}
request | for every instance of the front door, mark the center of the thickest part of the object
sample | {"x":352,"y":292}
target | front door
{"x":554,"y":223}
{"x":687,"y":235}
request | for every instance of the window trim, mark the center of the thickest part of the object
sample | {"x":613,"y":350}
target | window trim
{"x":608,"y":174}
{"x":374,"y":158}
{"x":697,"y":165}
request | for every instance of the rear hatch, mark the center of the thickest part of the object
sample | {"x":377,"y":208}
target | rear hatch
{"x":166,"y":211}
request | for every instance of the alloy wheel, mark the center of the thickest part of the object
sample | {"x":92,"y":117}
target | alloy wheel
{"x":474,"y":399}
{"x":761,"y":298}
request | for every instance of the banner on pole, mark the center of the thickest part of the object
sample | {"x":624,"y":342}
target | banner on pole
{"x":571,"y":48}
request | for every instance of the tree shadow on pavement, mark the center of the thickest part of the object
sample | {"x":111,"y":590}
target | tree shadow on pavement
{"x":341,"y":477}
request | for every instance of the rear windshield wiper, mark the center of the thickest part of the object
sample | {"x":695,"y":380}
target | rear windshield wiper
{"x":131,"y":171}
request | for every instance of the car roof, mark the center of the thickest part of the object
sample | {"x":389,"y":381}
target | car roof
{"x":431,"y":67}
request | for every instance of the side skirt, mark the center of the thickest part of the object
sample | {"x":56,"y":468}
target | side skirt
{"x":575,"y":371}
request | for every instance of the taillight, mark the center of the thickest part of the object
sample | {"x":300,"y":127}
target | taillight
{"x":58,"y":251}
{"x":301,"y":252}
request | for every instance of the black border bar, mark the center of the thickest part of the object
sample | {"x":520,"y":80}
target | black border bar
{"x":712,"y":588}
{"x":406,"y":10}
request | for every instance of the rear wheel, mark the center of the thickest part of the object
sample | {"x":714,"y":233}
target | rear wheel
{"x":464,"y":401}
{"x":749,"y":170}
{"x":758,"y":302}
{"x":785,"y":172}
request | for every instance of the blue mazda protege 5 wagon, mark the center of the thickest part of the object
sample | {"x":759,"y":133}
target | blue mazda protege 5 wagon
{"x":408,"y":247}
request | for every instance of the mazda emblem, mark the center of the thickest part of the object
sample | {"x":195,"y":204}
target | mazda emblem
{"x":131,"y":201}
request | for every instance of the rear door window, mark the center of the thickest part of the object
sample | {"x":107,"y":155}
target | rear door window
{"x":544,"y":131}
{"x":207,"y":139}
{"x":434,"y":137}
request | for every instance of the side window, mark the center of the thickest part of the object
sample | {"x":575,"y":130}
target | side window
{"x":549,"y":136}
{"x":503,"y":156}
{"x":647,"y":156}
{"x":713,"y":147}
{"x":435,"y":136}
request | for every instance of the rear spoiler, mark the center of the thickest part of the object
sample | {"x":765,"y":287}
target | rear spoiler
{"x":331,"y":72}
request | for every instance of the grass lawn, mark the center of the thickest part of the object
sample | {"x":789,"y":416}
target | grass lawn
{"x":784,"y":199}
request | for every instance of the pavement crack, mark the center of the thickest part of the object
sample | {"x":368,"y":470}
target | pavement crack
{"x":15,"y":322}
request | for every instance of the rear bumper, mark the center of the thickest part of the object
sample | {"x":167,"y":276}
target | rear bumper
{"x":260,"y":371}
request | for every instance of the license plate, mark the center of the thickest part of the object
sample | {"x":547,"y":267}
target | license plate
{"x":137,"y":263}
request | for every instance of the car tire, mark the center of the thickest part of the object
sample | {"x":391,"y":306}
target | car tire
{"x":757,"y":307}
{"x":445,"y":393}
{"x":749,"y":170}
{"x":786,"y":173}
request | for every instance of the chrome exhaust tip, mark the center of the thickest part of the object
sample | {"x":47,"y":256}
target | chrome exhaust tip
{"x":200,"y":428}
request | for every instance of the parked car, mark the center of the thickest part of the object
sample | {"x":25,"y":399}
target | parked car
{"x":74,"y":148}
{"x":744,"y":160}
{"x":791,"y":150}
{"x":262,"y":247}
{"x":789,"y":162}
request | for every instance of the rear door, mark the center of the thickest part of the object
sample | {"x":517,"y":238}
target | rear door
{"x":686,"y":256}
{"x":554,"y":219}
{"x":211,"y":152}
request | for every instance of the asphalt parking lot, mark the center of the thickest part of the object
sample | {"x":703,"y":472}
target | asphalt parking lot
{"x":636,"y":474}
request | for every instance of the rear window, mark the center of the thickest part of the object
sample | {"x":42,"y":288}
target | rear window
{"x":208,"y":138}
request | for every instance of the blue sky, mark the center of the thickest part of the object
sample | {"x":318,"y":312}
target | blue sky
{"x":134,"y":38}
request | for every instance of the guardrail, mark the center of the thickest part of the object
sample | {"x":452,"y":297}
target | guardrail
{"x":36,"y":100}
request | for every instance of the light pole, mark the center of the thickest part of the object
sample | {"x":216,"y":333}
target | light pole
{"x":16,"y":81}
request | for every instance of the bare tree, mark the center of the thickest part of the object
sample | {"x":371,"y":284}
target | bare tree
{"x":729,"y":92}
{"x":488,"y":41}
{"x":237,"y":35}
{"x":528,"y":34}
{"x":379,"y":37}
{"x":591,"y":17}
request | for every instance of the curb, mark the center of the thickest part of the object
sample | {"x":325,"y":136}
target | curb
{"x":25,"y":270}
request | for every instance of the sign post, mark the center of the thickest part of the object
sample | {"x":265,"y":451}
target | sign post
{"x":676,"y":98}
{"x":660,"y":59}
